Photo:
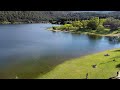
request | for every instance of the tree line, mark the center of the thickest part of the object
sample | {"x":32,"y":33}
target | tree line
{"x":93,"y":25}
{"x":60,"y":17}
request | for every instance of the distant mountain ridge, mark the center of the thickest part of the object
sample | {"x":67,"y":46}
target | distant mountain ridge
{"x":38,"y":16}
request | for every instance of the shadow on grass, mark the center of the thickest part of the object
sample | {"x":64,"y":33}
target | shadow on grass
{"x":116,"y":51}
{"x":118,"y":66}
{"x":109,"y":62}
{"x":116,"y":57}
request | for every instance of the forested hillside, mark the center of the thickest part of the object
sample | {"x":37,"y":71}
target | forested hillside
{"x":28,"y":16}
{"x":38,"y":16}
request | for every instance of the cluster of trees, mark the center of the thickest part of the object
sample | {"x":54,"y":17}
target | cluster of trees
{"x":94,"y":23}
{"x":88,"y":15}
{"x":112,"y":23}
{"x":73,"y":16}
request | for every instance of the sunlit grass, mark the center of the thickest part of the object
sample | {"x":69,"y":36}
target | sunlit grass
{"x":77,"y":68}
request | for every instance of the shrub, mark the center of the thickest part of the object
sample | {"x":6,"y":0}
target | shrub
{"x":93,"y":23}
{"x":101,"y":30}
{"x":68,"y":26}
{"x":54,"y":27}
{"x":61,"y":27}
{"x":77,"y":24}
{"x":64,"y":27}
{"x":85,"y":22}
{"x":102,"y":21}
{"x":100,"y":27}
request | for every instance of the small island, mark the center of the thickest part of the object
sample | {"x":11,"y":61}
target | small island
{"x":96,"y":26}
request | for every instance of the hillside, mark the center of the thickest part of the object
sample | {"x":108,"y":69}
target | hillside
{"x":29,"y":16}
{"x":38,"y":16}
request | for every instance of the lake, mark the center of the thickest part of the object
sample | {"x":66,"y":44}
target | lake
{"x":29,"y":50}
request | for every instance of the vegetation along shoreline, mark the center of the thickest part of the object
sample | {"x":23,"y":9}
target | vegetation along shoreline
{"x":95,"y":26}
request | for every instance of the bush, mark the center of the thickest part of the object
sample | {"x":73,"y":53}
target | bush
{"x":100,"y":27}
{"x":68,"y":26}
{"x":64,"y":27}
{"x":84,"y":22}
{"x":101,"y":30}
{"x":102,"y":21}
{"x":54,"y":27}
{"x":61,"y":27}
{"x":93,"y":23}
{"x":77,"y":24}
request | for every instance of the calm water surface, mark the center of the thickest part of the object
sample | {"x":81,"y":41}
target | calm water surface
{"x":28,"y":50}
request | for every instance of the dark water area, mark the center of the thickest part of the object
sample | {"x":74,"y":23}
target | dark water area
{"x":29,"y":50}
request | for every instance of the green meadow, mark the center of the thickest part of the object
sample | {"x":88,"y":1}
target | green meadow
{"x":106,"y":67}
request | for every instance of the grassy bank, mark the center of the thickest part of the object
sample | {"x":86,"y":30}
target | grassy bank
{"x":77,"y":68}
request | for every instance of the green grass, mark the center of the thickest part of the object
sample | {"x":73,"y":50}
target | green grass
{"x":77,"y":68}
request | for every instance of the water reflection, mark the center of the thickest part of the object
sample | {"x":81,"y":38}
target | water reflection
{"x":113,"y":39}
{"x":94,"y":37}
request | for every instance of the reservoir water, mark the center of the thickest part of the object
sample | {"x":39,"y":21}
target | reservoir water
{"x":29,"y":50}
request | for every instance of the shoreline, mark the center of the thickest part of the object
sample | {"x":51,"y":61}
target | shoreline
{"x":5,"y":23}
{"x":78,"y":67}
{"x":107,"y":35}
